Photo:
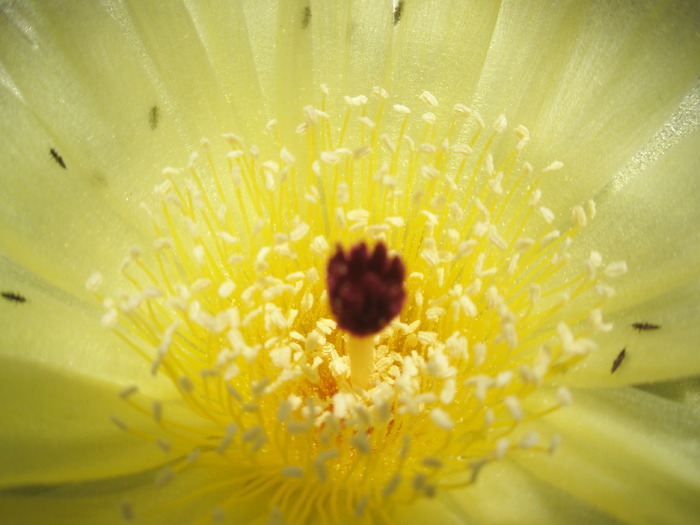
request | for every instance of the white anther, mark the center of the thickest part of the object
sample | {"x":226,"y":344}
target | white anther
{"x":93,"y":283}
{"x":498,"y":241}
{"x":449,"y":389}
{"x":547,"y":214}
{"x":461,"y":150}
{"x":564,"y":396}
{"x":157,"y":411}
{"x":604,"y":290}
{"x":502,"y":446}
{"x":554,"y":234}
{"x":358,"y":101}
{"x":109,"y":318}
{"x":330,"y":157}
{"x":319,"y":463}
{"x":185,"y":383}
{"x":535,"y":293}
{"x":293,"y":472}
{"x":236,"y":141}
{"x":554,"y":444}
{"x":513,"y":405}
{"x":500,"y":123}
{"x":362,"y":152}
{"x":524,"y":135}
{"x":391,"y":486}
{"x":534,"y":198}
{"x":361,"y":443}
{"x":380,"y":92}
{"x":462,"y":110}
{"x":616,"y":269}
{"x":367,"y":122}
{"x":428,"y":98}
{"x":579,"y":216}
{"x":200,"y":285}
{"x":441,"y":418}
{"x":554,"y":166}
{"x":523,"y":243}
{"x":513,"y":264}
{"x":596,"y":318}
{"x":127,"y":392}
{"x":510,"y":334}
{"x":163,"y":188}
{"x":198,"y":253}
{"x":529,"y":440}
{"x":591,"y":209}
{"x":192,"y":160}
{"x":489,"y":165}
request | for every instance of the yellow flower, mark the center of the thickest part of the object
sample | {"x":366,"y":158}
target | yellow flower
{"x":509,"y":156}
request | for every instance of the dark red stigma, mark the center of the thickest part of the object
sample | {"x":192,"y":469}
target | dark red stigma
{"x":365,"y":289}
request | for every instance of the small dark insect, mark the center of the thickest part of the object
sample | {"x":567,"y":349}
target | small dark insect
{"x":307,"y":17}
{"x":14,"y":297}
{"x":58,"y":158}
{"x":398,"y":11}
{"x":153,"y":117}
{"x":618,"y":360}
{"x":643,"y":325}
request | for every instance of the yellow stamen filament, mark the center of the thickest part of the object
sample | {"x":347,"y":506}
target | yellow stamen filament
{"x":361,"y":352}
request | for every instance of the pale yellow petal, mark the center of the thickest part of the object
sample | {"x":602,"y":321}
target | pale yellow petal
{"x":350,"y":44}
{"x":57,"y":428}
{"x":442,"y":47}
{"x":79,"y":141}
{"x":505,"y":494}
{"x":54,"y":222}
{"x":669,"y":352}
{"x":89,"y":82}
{"x":592,"y":81}
{"x":301,"y":45}
{"x":135,"y":84}
{"x":54,"y":328}
{"x":522,"y":498}
{"x":261,"y":22}
{"x":135,"y":499}
{"x":225,"y":53}
{"x":651,"y":222}
{"x":629,"y":453}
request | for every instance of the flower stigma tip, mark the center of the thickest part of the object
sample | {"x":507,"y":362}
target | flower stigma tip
{"x":316,"y":399}
{"x":365,"y":289}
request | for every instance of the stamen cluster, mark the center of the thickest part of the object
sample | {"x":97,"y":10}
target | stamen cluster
{"x":230,"y":306}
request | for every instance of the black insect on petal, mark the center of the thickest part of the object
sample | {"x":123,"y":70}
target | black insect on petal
{"x":398,"y":11}
{"x":618,"y":360}
{"x":306,"y":18}
{"x":644,"y":326}
{"x":153,"y":116}
{"x":14,"y":297}
{"x":59,"y":160}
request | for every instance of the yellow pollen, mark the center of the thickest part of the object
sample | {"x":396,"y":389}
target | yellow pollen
{"x":229,"y":304}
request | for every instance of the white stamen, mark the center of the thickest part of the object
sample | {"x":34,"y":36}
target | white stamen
{"x":441,"y":418}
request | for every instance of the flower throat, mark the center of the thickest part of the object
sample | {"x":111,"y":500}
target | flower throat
{"x":335,"y":385}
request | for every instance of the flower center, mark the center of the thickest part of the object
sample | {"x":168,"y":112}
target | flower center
{"x":365,"y":290}
{"x":332,"y":401}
